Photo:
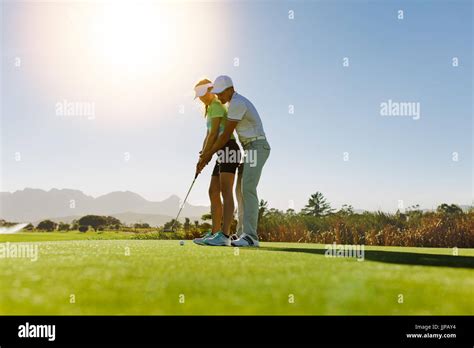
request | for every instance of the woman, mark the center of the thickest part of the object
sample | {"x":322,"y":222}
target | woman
{"x":222,"y":179}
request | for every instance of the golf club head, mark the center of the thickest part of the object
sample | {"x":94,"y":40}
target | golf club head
{"x":168,"y":230}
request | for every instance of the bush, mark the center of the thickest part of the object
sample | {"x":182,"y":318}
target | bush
{"x":83,"y":228}
{"x":160,"y":235}
{"x":63,"y":227}
{"x":47,"y":225}
{"x":95,"y":221}
{"x":443,"y":228}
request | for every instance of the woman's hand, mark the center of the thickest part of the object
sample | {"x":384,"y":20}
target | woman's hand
{"x":204,"y":159}
{"x":198,"y":170}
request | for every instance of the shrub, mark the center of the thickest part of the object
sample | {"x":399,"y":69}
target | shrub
{"x":63,"y":227}
{"x":93,"y":220}
{"x":29,"y":227}
{"x":443,"y":228}
{"x":47,"y":225}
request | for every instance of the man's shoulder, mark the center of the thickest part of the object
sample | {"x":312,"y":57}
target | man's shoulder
{"x":239,"y":99}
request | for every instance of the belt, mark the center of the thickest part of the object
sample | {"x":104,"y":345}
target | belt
{"x":249,"y":140}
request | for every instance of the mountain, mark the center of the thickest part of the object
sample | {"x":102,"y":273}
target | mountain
{"x":31,"y":205}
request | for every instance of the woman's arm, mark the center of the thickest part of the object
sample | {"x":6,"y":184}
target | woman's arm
{"x":218,"y":144}
{"x":224,"y":138}
{"x":210,"y":139}
{"x":212,"y":135}
{"x":204,"y":142}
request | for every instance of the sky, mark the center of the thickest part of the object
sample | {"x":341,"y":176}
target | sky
{"x":133,"y":67}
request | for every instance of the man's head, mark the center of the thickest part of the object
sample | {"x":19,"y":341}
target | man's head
{"x":223,"y":88}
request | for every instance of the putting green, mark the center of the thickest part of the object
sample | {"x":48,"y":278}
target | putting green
{"x":163,"y":277}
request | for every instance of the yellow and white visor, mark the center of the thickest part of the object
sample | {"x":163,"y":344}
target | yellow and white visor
{"x":201,"y":90}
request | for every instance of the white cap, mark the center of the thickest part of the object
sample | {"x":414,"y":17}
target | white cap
{"x":201,"y":90}
{"x":221,"y":83}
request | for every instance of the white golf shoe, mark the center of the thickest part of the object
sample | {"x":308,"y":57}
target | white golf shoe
{"x":245,"y":241}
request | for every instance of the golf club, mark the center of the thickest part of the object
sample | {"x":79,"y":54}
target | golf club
{"x":181,"y":208}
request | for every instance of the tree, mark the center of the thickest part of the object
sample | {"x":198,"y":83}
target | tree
{"x":204,"y":227}
{"x":262,"y":208}
{"x":4,"y":223}
{"x":187,"y":224}
{"x":317,"y":205}
{"x":93,"y":221}
{"x":447,"y":209}
{"x":346,"y":209}
{"x":46,"y":225}
{"x":74,"y":225}
{"x":196,"y":223}
{"x":169,"y":224}
{"x":206,"y":217}
{"x":29,"y":227}
{"x":110,"y":220}
{"x":63,"y":226}
{"x":141,"y":225}
{"x":414,"y":208}
{"x":83,"y":228}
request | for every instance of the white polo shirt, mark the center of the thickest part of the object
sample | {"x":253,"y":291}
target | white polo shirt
{"x":242,"y":110}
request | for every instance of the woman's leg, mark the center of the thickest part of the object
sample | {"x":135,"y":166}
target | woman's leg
{"x":240,"y":203}
{"x":216,"y":203}
{"x":227,"y":190}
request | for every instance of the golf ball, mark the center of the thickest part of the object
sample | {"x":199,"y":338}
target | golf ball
{"x":181,"y":243}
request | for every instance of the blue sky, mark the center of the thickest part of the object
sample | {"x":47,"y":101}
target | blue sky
{"x":144,"y":104}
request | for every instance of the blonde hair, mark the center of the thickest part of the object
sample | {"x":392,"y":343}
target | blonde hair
{"x":203,"y":82}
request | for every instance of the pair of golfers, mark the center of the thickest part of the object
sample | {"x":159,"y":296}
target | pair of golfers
{"x":240,"y":115}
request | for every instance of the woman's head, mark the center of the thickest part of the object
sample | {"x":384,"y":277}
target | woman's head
{"x":203,"y":91}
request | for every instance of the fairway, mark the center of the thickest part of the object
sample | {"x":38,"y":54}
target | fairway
{"x":124,"y":276}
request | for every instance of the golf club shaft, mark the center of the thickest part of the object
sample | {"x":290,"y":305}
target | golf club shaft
{"x":182,"y":205}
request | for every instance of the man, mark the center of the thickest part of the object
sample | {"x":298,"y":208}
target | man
{"x":244,"y":118}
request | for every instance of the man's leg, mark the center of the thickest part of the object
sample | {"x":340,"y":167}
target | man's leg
{"x":250,"y":179}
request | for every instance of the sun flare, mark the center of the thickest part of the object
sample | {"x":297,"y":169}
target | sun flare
{"x":132,"y":36}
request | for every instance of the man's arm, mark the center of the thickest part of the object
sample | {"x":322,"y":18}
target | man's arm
{"x":224,"y":137}
{"x":220,"y":142}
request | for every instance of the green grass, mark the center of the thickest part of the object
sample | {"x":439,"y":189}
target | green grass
{"x":59,"y":236}
{"x":214,"y":280}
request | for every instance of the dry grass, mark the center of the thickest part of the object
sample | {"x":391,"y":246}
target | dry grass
{"x":422,"y":230}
